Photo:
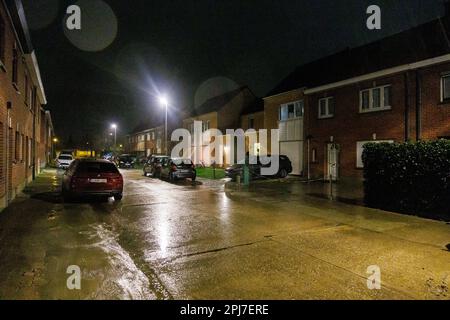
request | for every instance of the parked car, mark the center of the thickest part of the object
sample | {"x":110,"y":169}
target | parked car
{"x":126,"y":161}
{"x":92,"y":177}
{"x":178,"y":168}
{"x":67,"y":153}
{"x":284,"y":170}
{"x":64,"y":160}
{"x":153,"y":166}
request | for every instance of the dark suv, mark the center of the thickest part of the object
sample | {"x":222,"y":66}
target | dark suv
{"x":255,"y":169}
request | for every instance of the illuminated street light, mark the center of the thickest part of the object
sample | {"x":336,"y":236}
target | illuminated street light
{"x":114,"y":127}
{"x":164,"y":102}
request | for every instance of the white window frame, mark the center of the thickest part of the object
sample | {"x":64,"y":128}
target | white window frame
{"x":371,"y":100}
{"x":443,"y":76}
{"x":296,"y":116}
{"x":359,"y":148}
{"x":206,"y":125}
{"x":327,"y":107}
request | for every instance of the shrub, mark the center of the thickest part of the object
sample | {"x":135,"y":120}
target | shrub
{"x":411,"y":178}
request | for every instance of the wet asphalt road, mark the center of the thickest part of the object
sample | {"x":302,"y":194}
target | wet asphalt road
{"x":196,"y":241}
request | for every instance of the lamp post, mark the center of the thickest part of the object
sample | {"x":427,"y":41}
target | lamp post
{"x":164,"y":102}
{"x":114,"y":127}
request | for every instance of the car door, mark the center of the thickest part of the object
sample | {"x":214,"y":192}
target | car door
{"x":165,"y":168}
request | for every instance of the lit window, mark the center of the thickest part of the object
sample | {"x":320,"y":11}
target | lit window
{"x":375,"y":99}
{"x":326,"y":108}
{"x":291,"y":110}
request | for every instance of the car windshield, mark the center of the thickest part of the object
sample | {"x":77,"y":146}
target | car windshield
{"x":126,"y":158}
{"x":179,"y":162}
{"x":96,"y":167}
{"x":65,"y":158}
{"x":159,"y":160}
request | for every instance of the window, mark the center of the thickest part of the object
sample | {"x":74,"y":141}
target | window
{"x":314,"y":155}
{"x":15,"y":65}
{"x":291,"y":110}
{"x":22,"y":144}
{"x":360,"y":149}
{"x":205,"y":125}
{"x":375,"y":99}
{"x":2,"y":41}
{"x":17,"y":147}
{"x":251,"y":122}
{"x":445,"y":88}
{"x":27,"y":90}
{"x":326,"y":108}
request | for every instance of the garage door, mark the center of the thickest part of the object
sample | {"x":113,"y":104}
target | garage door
{"x":294,"y":150}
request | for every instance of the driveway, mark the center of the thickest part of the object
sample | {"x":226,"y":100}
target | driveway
{"x":197,"y":241}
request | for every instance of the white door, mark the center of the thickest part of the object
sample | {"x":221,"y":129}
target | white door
{"x":294,"y":151}
{"x":332,"y":161}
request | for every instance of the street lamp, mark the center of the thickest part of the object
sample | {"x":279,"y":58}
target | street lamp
{"x":114,"y":127}
{"x":163,"y":101}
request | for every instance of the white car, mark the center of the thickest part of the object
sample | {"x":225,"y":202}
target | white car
{"x":64,"y":161}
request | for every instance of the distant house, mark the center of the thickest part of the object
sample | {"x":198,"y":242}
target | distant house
{"x":146,"y":139}
{"x":395,"y":89}
{"x":221,"y":112}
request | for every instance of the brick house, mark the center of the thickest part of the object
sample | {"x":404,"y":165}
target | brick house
{"x":252,"y":118}
{"x":221,"y":112}
{"x":21,"y":99}
{"x":146,"y":139}
{"x":393,"y":90}
{"x":284,"y":110}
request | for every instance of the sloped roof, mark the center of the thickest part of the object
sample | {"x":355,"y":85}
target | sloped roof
{"x":216,"y":103}
{"x":423,"y":42}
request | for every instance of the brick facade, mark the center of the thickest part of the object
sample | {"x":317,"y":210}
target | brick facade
{"x":401,"y":123}
{"x":21,"y":98}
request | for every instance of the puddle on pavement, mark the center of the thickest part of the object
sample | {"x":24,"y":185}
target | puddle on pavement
{"x":132,"y":282}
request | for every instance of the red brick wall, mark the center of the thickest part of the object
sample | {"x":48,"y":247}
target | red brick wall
{"x":435,"y":115}
{"x":349,"y":126}
{"x":21,"y":115}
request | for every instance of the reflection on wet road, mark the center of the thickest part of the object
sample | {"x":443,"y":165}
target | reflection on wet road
{"x":177,"y":241}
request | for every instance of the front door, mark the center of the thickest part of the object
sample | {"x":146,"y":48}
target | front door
{"x":332,"y":161}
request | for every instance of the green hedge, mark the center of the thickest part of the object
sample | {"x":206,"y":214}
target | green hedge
{"x":412,"y":178}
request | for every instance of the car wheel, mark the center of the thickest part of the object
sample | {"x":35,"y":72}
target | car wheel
{"x":118,"y":197}
{"x":283,"y":173}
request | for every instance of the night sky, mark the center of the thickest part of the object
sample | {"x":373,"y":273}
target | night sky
{"x":188,"y":50}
